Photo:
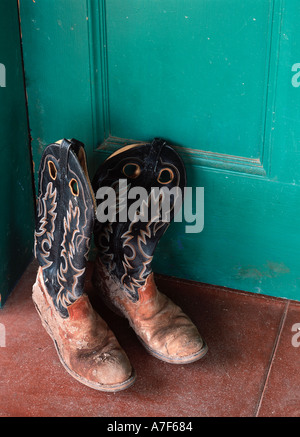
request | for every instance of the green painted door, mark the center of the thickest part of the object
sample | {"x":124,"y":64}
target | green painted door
{"x":218,"y":79}
{"x":16,"y":191}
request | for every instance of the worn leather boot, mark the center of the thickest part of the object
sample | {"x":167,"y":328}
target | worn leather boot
{"x":122,"y":271}
{"x":86,"y":346}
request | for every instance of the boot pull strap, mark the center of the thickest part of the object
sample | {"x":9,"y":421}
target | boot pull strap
{"x":155,"y":150}
{"x":64,"y":152}
{"x":63,"y":160}
{"x":65,"y":147}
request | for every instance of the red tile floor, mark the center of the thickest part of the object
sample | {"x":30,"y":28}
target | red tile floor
{"x":251,"y":368}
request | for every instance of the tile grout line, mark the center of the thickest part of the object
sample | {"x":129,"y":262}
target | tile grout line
{"x":272,"y":357}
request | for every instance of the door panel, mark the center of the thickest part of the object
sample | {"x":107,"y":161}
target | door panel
{"x":208,"y":75}
{"x":196,"y":71}
{"x":212,"y":77}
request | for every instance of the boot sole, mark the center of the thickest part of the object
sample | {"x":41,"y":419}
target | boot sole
{"x":111,"y":388}
{"x":176,"y":360}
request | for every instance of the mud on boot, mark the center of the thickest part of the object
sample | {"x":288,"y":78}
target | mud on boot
{"x":123,"y":274}
{"x":86,"y":346}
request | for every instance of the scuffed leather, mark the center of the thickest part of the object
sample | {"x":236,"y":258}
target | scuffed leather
{"x":161,"y":325}
{"x":85,"y":344}
{"x":117,"y":242}
{"x":123,"y":273}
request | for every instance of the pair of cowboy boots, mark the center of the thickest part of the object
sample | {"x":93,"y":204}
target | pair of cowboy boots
{"x":66,"y":220}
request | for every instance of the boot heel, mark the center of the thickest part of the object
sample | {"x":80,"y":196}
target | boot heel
{"x":36,"y":294}
{"x":112,"y":307}
{"x":107,"y":300}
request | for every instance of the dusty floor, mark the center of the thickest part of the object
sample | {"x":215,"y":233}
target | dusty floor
{"x":251,"y":368}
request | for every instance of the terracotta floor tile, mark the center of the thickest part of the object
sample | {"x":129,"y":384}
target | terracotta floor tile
{"x":239,"y":328}
{"x":282,"y":393}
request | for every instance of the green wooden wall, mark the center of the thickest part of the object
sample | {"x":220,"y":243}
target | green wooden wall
{"x":219,"y":80}
{"x":16,"y":193}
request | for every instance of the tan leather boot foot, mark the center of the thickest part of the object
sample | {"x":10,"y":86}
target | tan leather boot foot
{"x":161,"y":326}
{"x":86,"y":346}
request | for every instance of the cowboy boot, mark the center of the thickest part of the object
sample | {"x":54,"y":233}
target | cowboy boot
{"x":122,"y":272}
{"x":86,"y":346}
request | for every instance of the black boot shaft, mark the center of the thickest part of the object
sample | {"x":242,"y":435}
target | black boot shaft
{"x":127,"y":247}
{"x":65,"y":218}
